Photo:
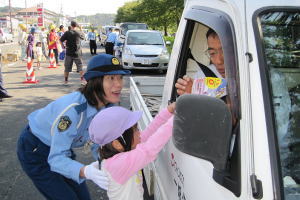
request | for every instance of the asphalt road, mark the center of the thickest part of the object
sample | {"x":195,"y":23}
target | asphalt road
{"x":14,"y":184}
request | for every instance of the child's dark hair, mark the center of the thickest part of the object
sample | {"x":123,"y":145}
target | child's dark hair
{"x":38,"y":43}
{"x":108,"y":151}
{"x":93,"y":87}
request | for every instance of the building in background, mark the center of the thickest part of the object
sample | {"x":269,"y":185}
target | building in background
{"x":37,"y":15}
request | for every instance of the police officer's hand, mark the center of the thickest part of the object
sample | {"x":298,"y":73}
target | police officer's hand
{"x":93,"y":173}
{"x":184,"y":85}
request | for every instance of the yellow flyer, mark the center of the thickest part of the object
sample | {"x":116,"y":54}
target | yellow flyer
{"x":210,"y":86}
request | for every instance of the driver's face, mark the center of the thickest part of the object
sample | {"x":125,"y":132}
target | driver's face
{"x":216,"y":53}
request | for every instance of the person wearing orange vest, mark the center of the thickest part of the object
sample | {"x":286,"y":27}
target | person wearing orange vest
{"x":52,"y":40}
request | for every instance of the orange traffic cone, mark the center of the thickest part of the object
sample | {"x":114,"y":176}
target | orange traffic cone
{"x":30,"y":77}
{"x":52,"y":60}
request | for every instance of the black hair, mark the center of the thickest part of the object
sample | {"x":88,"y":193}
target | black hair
{"x":38,"y":43}
{"x":211,"y":32}
{"x":61,"y":27}
{"x":74,"y":24}
{"x":69,"y":28}
{"x":108,"y":151}
{"x":93,"y":88}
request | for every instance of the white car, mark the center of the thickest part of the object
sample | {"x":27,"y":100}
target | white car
{"x":5,"y":36}
{"x":145,"y":49}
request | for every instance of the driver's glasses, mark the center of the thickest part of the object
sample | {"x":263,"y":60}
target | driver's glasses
{"x":210,"y":52}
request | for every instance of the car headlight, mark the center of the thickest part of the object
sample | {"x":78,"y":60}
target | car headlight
{"x":164,"y":52}
{"x":127,"y":51}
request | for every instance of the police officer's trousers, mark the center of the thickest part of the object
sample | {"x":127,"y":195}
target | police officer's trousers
{"x":33,"y":154}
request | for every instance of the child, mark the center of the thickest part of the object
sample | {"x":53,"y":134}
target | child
{"x":39,"y":54}
{"x":125,"y":151}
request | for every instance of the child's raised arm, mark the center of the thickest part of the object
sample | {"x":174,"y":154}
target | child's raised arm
{"x":159,"y":119}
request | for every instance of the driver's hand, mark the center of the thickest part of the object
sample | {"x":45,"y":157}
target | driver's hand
{"x":184,"y":85}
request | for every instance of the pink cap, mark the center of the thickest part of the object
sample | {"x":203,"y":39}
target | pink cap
{"x":110,"y":123}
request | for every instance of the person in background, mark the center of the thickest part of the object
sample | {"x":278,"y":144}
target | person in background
{"x":125,"y":150}
{"x":62,"y":44}
{"x":110,"y":42}
{"x":3,"y":91}
{"x":39,"y":54}
{"x":73,"y":51}
{"x":45,"y":146}
{"x":43,"y":40}
{"x":92,"y":38}
{"x":22,"y":41}
{"x":52,"y":42}
{"x":30,"y":41}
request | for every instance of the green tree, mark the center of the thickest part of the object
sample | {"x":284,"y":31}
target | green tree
{"x":158,"y":14}
{"x":127,"y":13}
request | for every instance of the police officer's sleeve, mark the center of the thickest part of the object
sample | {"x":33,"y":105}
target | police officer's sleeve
{"x":64,"y":132}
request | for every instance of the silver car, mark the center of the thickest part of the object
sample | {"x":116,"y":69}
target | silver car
{"x":145,"y":49}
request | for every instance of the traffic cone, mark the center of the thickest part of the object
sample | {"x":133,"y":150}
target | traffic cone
{"x":30,"y":77}
{"x":52,"y":60}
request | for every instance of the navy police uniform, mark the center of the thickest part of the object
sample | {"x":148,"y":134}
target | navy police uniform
{"x":45,"y":145}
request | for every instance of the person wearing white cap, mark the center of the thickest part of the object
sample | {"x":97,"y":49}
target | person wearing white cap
{"x":45,"y":147}
{"x":125,"y":150}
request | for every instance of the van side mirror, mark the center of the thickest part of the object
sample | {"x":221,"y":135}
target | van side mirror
{"x":168,"y":43}
{"x":202,"y":128}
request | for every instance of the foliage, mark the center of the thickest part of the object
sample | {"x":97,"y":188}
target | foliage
{"x":171,"y":39}
{"x":5,"y":9}
{"x":158,"y":14}
{"x":127,"y":13}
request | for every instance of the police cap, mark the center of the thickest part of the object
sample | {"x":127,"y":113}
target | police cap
{"x":104,"y":64}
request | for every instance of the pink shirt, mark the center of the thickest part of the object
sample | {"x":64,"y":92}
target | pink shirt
{"x":124,"y":165}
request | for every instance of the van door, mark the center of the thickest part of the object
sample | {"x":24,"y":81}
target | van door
{"x":277,"y":32}
{"x":182,"y":176}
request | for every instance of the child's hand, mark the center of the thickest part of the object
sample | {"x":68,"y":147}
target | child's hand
{"x":171,"y":107}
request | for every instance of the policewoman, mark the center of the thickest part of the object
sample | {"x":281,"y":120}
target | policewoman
{"x":45,"y":145}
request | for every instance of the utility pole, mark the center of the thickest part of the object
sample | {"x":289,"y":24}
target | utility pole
{"x":26,"y":13}
{"x":11,"y":28}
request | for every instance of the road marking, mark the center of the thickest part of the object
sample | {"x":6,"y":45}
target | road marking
{"x":11,"y":64}
{"x":6,"y":44}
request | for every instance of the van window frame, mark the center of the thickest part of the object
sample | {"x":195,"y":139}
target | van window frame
{"x":266,"y":87}
{"x":223,"y":26}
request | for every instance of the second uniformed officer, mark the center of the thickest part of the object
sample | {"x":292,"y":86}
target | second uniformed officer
{"x":45,"y":145}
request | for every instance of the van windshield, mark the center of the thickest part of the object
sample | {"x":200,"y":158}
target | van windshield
{"x":144,"y":38}
{"x":281,"y":41}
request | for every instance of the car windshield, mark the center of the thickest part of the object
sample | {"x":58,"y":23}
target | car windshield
{"x":281,"y":41}
{"x":144,"y":38}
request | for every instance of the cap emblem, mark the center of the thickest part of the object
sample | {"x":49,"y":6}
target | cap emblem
{"x":115,"y":61}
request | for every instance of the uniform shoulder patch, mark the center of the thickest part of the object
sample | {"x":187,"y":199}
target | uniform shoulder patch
{"x":64,"y":123}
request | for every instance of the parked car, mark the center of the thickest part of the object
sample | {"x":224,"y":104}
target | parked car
{"x":5,"y":36}
{"x":145,"y":49}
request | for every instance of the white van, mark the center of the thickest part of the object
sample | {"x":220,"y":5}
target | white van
{"x":260,"y":157}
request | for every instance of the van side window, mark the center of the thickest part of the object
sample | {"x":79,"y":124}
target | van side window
{"x":203,"y":55}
